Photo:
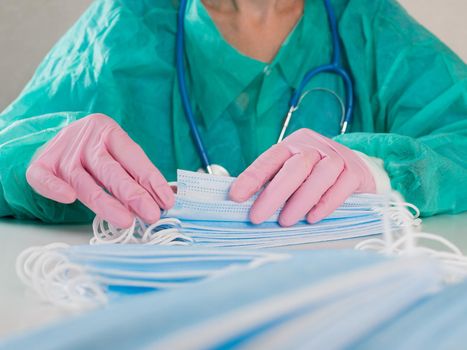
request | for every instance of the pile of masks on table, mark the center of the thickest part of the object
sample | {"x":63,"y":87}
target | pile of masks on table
{"x":187,"y":281}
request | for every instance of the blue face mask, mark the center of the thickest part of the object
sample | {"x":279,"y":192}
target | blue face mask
{"x":315,"y":294}
{"x":205,"y":197}
{"x":438,"y":322}
{"x":203,"y":215}
{"x":86,"y":276}
{"x":311,"y":316}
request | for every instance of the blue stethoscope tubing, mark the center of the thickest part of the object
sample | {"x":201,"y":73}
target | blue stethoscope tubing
{"x":335,"y":67}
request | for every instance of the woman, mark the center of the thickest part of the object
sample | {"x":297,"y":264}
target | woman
{"x":110,"y":84}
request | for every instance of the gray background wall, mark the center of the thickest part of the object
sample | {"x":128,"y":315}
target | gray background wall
{"x":28,"y":29}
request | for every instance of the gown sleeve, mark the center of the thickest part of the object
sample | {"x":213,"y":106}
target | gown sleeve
{"x":63,"y":89}
{"x":414,"y":116}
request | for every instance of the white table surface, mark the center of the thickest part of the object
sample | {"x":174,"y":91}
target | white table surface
{"x":20,"y":310}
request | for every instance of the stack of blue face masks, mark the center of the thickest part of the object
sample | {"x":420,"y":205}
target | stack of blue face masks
{"x":314,"y":299}
{"x":204,"y":215}
{"x":79,"y":277}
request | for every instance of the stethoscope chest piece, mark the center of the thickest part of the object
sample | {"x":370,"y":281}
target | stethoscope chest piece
{"x":215,"y":169}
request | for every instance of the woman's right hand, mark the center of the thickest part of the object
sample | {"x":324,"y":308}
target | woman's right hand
{"x":95,"y":161}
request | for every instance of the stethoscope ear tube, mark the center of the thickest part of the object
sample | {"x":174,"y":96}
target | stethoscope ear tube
{"x":349,"y":100}
{"x":180,"y":65}
{"x":299,"y":93}
{"x":335,"y":68}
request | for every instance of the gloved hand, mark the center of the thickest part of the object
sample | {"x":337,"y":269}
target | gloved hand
{"x":94,"y":155}
{"x":310,"y":173}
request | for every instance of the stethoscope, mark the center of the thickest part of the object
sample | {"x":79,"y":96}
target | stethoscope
{"x":334,"y":67}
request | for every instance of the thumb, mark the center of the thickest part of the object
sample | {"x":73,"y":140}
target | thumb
{"x":44,"y":182}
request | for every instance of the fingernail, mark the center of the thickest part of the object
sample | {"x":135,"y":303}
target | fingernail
{"x":312,"y":219}
{"x":165,"y":193}
{"x":257,"y":218}
{"x":239,"y":194}
{"x":119,"y":217}
{"x":151,"y":212}
{"x":152,"y":216}
{"x":286,"y":221}
{"x":69,"y":197}
{"x":122,"y":221}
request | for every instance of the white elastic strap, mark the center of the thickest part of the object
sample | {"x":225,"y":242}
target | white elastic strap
{"x":139,"y":232}
{"x":404,"y":241}
{"x":105,"y":233}
{"x":50,"y":274}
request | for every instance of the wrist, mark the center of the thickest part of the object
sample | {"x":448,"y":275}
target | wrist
{"x":376,"y":168}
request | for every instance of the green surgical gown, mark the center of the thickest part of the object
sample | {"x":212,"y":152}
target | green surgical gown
{"x":119,"y":59}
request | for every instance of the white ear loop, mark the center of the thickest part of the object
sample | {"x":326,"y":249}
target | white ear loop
{"x":166,"y":236}
{"x":166,"y":231}
{"x":405,"y":241}
{"x":50,"y":273}
{"x":56,"y":280}
{"x":106,"y":233}
{"x":76,"y":288}
{"x":28,"y":257}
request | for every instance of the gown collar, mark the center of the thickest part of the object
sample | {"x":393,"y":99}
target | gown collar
{"x":217,"y":73}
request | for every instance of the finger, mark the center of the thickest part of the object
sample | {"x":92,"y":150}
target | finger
{"x":100,"y":202}
{"x":322,"y":177}
{"x":345,"y":185}
{"x":259,"y":172}
{"x":48,"y":185}
{"x":133,"y":159}
{"x":108,"y":172}
{"x":295,"y":170}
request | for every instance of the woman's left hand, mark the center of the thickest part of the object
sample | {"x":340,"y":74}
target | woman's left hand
{"x":309,"y":173}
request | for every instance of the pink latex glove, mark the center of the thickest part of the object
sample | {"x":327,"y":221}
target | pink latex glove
{"x":310,"y":173}
{"x":93,"y":154}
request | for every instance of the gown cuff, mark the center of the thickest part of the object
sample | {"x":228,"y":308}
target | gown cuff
{"x":376,"y":167}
